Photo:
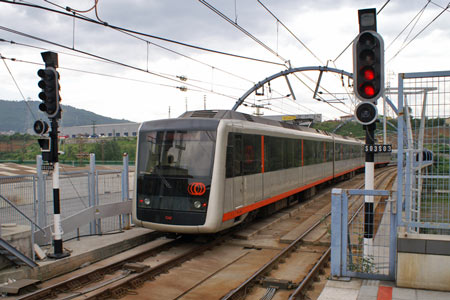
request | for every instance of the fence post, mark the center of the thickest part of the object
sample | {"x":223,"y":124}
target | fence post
{"x":125,"y":190}
{"x":336,"y":232}
{"x":41,"y":199}
{"x":91,"y":187}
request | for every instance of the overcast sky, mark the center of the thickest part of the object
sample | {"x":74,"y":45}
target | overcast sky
{"x":129,"y":92}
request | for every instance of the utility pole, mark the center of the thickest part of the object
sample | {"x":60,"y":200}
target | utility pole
{"x":204,"y":102}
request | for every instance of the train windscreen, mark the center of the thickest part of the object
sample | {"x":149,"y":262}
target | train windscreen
{"x":174,"y":175}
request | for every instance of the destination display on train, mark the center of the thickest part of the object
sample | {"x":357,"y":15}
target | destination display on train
{"x":383,"y":148}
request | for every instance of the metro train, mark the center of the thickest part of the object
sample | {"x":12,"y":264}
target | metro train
{"x":207,"y":171}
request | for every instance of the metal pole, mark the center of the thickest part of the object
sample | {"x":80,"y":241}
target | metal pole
{"x":369,"y":185}
{"x":125,"y":190}
{"x":384,"y":120}
{"x":57,"y":230}
{"x":41,"y":198}
{"x":91,"y":181}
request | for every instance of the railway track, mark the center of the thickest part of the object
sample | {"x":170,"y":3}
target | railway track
{"x":225,"y":267}
{"x":261,"y":276}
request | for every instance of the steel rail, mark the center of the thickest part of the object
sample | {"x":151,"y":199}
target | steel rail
{"x":136,"y":280}
{"x":97,"y":274}
{"x":299,"y":291}
{"x":241,"y":290}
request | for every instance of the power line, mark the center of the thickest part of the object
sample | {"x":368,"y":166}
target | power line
{"x":105,"y":59}
{"x":159,"y":46}
{"x":418,"y":15}
{"x":241,"y":29}
{"x":181,"y":78}
{"x":17,"y":85}
{"x":84,"y":18}
{"x":199,"y":89}
{"x":384,"y":5}
{"x":293,"y":34}
{"x":432,"y":21}
{"x":349,"y":44}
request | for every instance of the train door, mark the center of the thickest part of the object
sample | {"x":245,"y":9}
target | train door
{"x":238,"y":179}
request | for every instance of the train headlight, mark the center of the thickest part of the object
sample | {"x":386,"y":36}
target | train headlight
{"x":147,"y":201}
{"x":197,"y":204}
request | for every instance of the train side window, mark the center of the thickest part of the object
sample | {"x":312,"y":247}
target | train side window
{"x":346,"y":151}
{"x":273,"y":153}
{"x":337,"y":151}
{"x":252,"y":154}
{"x":238,"y":155}
{"x":308,"y":152}
{"x":329,"y":151}
{"x":229,"y":156}
{"x":319,"y":152}
{"x":289,"y":153}
{"x":297,"y":152}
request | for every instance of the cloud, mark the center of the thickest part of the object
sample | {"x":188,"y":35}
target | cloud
{"x":326,"y":27}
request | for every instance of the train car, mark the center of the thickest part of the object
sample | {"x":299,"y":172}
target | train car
{"x":207,"y":171}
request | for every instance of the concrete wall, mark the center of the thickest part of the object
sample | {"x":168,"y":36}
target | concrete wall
{"x":423,"y":261}
{"x":19,"y":236}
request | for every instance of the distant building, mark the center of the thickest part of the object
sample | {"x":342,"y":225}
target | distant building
{"x":106,"y":130}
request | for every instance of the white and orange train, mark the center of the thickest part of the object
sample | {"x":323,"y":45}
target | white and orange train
{"x":210,"y":170}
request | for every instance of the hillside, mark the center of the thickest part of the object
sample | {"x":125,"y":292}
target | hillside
{"x":16,"y":116}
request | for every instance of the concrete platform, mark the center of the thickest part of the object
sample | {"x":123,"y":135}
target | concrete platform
{"x":359,"y":289}
{"x":83,"y":252}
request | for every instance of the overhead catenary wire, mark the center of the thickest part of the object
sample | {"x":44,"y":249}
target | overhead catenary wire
{"x":293,"y":34}
{"x":349,"y":44}
{"x":84,"y":18}
{"x":417,"y":16}
{"x":104,"y":58}
{"x":198,"y":90}
{"x":158,"y":45}
{"x":420,"y":32}
{"x":102,"y":61}
{"x":17,"y":85}
{"x":218,"y":12}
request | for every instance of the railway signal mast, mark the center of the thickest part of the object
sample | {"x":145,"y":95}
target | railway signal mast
{"x":368,"y":79}
{"x":50,"y":105}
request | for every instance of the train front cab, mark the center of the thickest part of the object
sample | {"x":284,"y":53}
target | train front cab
{"x":173,"y":174}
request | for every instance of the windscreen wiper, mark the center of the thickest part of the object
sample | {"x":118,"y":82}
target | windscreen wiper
{"x":166,"y":183}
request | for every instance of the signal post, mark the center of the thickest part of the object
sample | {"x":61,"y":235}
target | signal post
{"x":368,"y":78}
{"x":50,"y":105}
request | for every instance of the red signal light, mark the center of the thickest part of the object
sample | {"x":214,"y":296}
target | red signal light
{"x":369,"y":74}
{"x":369,"y":90}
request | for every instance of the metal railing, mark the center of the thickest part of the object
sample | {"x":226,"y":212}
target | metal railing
{"x":353,"y":252}
{"x":92,"y":201}
{"x":424,"y":125}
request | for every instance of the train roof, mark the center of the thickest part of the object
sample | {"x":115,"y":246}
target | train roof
{"x":230,"y":114}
